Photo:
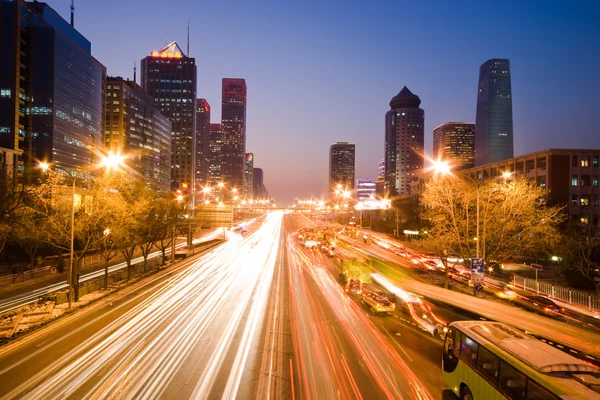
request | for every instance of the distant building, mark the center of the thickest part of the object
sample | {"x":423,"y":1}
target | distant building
{"x":454,"y":143}
{"x":233,"y":131}
{"x":169,"y":76}
{"x":135,"y":127}
{"x":365,"y":189}
{"x":248,"y":189}
{"x":202,"y":142}
{"x":214,"y":154}
{"x":380,"y":183}
{"x":341,"y":166}
{"x":51,"y":92}
{"x":569,"y":176}
{"x":494,"y":122}
{"x":404,"y":142}
{"x":257,"y":186}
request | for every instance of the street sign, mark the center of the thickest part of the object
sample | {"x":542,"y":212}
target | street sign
{"x":477,"y":265}
{"x":478,"y":287}
{"x":536,"y":267}
{"x":477,"y":278}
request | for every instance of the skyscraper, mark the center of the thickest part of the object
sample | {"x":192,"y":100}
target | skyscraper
{"x":233,"y":131}
{"x":51,"y":91}
{"x":202,"y":141}
{"x":169,"y":76}
{"x":341,"y":166}
{"x":215,"y":143}
{"x":257,"y":185}
{"x":248,"y":175}
{"x":404,"y":142}
{"x":454,"y":142}
{"x":134,"y":127}
{"x":493,"y":123}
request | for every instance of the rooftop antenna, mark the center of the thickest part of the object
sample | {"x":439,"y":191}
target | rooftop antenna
{"x":134,"y":70}
{"x":188,"y":40}
{"x":73,"y":13}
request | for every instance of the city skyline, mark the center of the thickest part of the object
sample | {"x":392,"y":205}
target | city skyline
{"x":319,"y":71}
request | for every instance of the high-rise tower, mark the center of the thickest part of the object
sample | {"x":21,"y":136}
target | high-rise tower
{"x":404,"y":142}
{"x":248,"y":175}
{"x":215,"y":144}
{"x":493,"y":123}
{"x":202,"y":141}
{"x":136,"y":128}
{"x":233,"y":131}
{"x":341,"y":166}
{"x":454,"y":142}
{"x":51,"y":91}
{"x":169,"y":76}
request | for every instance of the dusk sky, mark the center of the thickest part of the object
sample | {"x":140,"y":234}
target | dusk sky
{"x":324,"y":71}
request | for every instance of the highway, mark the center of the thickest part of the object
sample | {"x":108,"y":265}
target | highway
{"x":14,"y":302}
{"x":261,"y":316}
{"x":190,"y":331}
{"x":575,"y":336}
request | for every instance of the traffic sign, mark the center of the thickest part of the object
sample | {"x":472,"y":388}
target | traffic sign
{"x":476,"y":277}
{"x":477,"y":265}
{"x":478,"y":287}
{"x":536,"y":267}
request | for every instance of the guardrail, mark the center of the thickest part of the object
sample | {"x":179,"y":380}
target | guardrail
{"x":561,"y":293}
{"x":18,"y":278}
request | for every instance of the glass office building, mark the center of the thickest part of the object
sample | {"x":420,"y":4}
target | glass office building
{"x":51,"y":101}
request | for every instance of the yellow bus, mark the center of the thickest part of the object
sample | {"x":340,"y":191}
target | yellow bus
{"x":486,"y":360}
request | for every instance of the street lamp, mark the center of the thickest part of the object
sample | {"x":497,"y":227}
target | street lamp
{"x":110,"y":161}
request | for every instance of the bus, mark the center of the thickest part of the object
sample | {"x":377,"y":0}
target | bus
{"x":485,"y":360}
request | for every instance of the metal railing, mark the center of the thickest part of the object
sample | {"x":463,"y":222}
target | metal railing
{"x":565,"y":294}
{"x":8,"y":280}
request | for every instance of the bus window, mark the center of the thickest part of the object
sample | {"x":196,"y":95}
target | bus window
{"x":450,"y":359}
{"x":536,"y":392}
{"x":512,"y":382}
{"x":468,"y":350}
{"x":488,"y":365}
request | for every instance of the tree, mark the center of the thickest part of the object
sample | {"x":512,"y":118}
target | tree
{"x":98,"y":204}
{"x":580,"y":251}
{"x":514,"y":218}
{"x":147,"y":209}
{"x":168,"y":214}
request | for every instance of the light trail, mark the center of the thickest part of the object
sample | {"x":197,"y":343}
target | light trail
{"x":192,"y":321}
{"x":33,"y":296}
{"x":317,"y":342}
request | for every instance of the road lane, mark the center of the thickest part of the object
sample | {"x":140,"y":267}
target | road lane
{"x":182,"y":339}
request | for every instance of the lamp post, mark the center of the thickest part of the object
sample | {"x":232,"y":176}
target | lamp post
{"x":112,"y":160}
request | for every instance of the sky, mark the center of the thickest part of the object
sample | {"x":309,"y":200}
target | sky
{"x":319,"y":72}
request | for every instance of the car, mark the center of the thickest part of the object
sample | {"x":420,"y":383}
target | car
{"x":354,"y":286}
{"x":377,"y":302}
{"x":540,"y":304}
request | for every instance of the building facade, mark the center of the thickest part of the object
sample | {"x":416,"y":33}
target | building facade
{"x":493,"y":122}
{"x":248,"y":175}
{"x":215,"y":144}
{"x":454,"y":143}
{"x":341,"y":166}
{"x":257,"y":185}
{"x":51,"y":91}
{"x":233,"y":131}
{"x":169,"y":76}
{"x":365,"y":189}
{"x":404,"y":142}
{"x":569,"y":176}
{"x":202,"y":142}
{"x":136,"y":128}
